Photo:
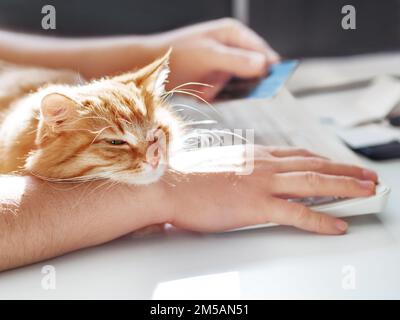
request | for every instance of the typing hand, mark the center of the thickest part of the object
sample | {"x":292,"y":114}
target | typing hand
{"x":218,"y":201}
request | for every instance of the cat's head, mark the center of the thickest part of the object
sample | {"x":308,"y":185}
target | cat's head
{"x":116,"y":128}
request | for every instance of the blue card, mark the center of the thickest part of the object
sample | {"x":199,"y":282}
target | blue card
{"x":257,"y":88}
{"x":279,"y":74}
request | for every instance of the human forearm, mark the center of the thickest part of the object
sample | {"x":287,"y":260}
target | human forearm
{"x":209,"y":52}
{"x":92,"y":57}
{"x":39,"y":220}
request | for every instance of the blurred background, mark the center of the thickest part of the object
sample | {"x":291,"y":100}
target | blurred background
{"x":295,"y":28}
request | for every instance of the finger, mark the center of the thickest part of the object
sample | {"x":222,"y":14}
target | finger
{"x":236,"y":61}
{"x":299,"y":216}
{"x":308,"y":184}
{"x":320,"y":165}
{"x":233,"y":33}
{"x":217,"y":80}
{"x":290,"y":152}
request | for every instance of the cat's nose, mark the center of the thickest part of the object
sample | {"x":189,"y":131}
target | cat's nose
{"x":154,"y":162}
{"x":154,"y":155}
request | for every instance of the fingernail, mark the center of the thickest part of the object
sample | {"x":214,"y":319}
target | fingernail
{"x":369,"y":185}
{"x":273,"y":55}
{"x":257,"y":60}
{"x":341,"y":225}
{"x":370,"y":175}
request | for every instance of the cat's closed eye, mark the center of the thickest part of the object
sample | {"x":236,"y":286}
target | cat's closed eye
{"x":117,"y":128}
{"x":115,"y":142}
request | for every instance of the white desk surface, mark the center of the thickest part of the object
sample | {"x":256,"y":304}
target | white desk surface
{"x":272,"y":263}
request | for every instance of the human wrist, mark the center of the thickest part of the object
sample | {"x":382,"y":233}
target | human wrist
{"x":155,"y":45}
{"x":159,"y":203}
{"x":170,"y":195}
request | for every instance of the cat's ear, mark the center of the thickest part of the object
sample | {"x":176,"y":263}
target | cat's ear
{"x":152,"y":77}
{"x":55,"y":108}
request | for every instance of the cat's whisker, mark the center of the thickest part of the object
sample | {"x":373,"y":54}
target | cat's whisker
{"x":175,"y":171}
{"x":194,"y":84}
{"x":98,"y":118}
{"x":83,"y":195}
{"x":192,"y":123}
{"x":68,"y":180}
{"x":63,"y":187}
{"x":191,"y":108}
{"x":189,"y":90}
{"x":167,"y":182}
{"x":87,"y":188}
{"x":198,"y":97}
{"x":86,"y":130}
{"x":89,"y":117}
{"x":170,"y":92}
{"x":101,"y":185}
{"x":114,"y":183}
{"x":128,"y":122}
{"x":99,"y":133}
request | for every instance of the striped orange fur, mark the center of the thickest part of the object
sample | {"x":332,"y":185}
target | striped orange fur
{"x":117,"y":128}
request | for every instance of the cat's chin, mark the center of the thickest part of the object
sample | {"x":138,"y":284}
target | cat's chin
{"x":144,"y":178}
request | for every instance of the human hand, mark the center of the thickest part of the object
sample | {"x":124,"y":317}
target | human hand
{"x":212,"y":202}
{"x":214,"y":51}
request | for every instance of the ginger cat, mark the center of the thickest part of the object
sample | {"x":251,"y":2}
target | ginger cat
{"x":58,"y":129}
